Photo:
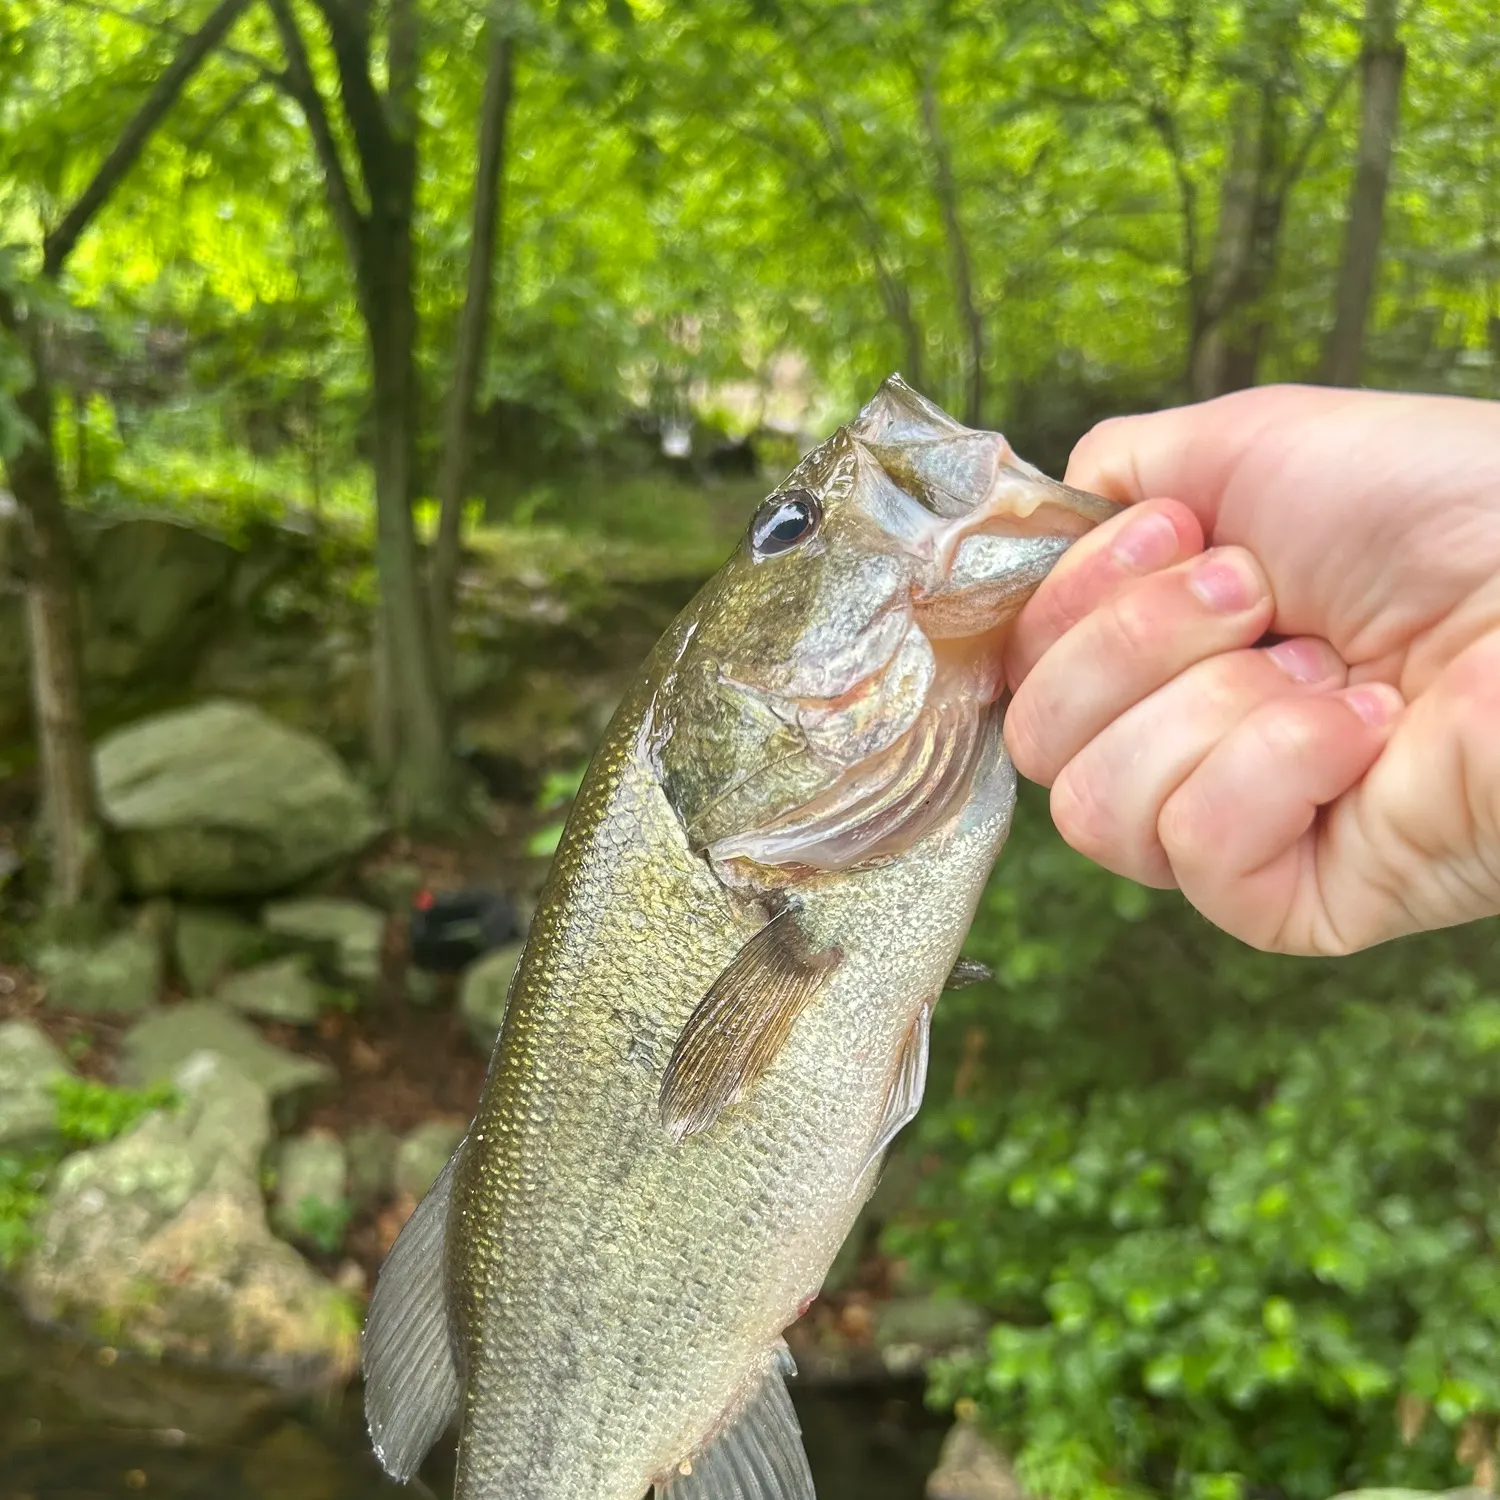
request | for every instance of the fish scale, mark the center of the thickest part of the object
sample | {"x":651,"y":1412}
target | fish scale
{"x":599,"y":1284}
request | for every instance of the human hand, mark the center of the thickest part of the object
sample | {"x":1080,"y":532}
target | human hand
{"x":1325,"y":793}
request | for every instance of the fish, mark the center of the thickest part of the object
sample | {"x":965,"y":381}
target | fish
{"x":720,"y":1019}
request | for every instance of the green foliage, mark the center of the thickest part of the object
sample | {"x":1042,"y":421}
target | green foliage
{"x":558,"y":791}
{"x":324,"y":1224}
{"x":90,"y":1113}
{"x":22,"y":1180}
{"x":1234,"y":1216}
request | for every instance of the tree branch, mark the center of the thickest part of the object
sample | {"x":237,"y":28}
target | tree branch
{"x":303,"y":88}
{"x":166,"y":28}
{"x":363,"y":107}
{"x":58,"y":245}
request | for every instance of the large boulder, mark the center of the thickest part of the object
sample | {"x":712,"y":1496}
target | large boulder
{"x":222,"y":800}
{"x":153,"y":1050}
{"x":30,"y":1067}
{"x":158,"y":1242}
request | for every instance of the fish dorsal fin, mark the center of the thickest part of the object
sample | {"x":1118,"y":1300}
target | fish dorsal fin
{"x":759,"y":1457}
{"x":412,"y":1371}
{"x":741,"y":1024}
{"x":908,"y":1085}
{"x":967,"y":971}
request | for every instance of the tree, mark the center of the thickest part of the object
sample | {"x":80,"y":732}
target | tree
{"x":410,"y":738}
{"x":77,"y":872}
{"x":1382,"y":62}
{"x":473,"y":324}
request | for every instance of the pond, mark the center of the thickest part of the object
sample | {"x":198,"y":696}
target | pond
{"x":77,"y":1423}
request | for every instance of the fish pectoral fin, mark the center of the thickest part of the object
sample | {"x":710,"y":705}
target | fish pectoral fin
{"x":967,"y":971}
{"x":907,"y":1087}
{"x":759,"y":1457}
{"x":741,"y":1024}
{"x":412,"y":1374}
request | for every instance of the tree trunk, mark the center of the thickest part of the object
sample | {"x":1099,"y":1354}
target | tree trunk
{"x":970,"y":318}
{"x":1382,"y":63}
{"x":421,"y":769}
{"x":78,"y":877}
{"x":472,"y":325}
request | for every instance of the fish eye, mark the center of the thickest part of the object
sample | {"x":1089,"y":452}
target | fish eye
{"x":784,"y":521}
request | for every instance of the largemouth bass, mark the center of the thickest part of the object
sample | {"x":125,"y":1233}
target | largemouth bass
{"x":720,"y":1020}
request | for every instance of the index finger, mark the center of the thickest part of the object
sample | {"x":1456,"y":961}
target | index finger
{"x":1144,"y":539}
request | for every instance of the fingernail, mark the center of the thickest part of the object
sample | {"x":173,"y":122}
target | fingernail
{"x":1306,"y":661}
{"x":1377,"y":703}
{"x":1225,"y":583}
{"x":1147,"y":543}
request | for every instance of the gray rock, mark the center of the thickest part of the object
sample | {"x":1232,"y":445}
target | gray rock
{"x":282,"y":990}
{"x":483,"y":991}
{"x":209,"y":943}
{"x":120,"y":976}
{"x":970,"y":1467}
{"x":345,"y":934}
{"x":394,"y":885}
{"x":910,"y":1331}
{"x":158,"y":1243}
{"x":29,"y":1068}
{"x":221,"y":799}
{"x":311,"y":1205}
{"x":423,"y":1154}
{"x":155,"y":1048}
{"x":372,"y":1160}
{"x":422,"y":989}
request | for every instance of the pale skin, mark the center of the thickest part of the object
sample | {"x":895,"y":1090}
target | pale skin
{"x":1316,"y":795}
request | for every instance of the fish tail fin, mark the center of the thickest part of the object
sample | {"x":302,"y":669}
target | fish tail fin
{"x":413,"y":1380}
{"x":758,"y":1457}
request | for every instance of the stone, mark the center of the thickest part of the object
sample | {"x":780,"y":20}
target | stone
{"x":484,"y":990}
{"x":423,"y":1154}
{"x":221,"y":800}
{"x":372,"y":1160}
{"x":311,"y":1204}
{"x":120,"y":976}
{"x":347,"y":935}
{"x":155,"y":1048}
{"x":910,"y":1331}
{"x":209,"y":942}
{"x":157,"y":1243}
{"x":970,"y":1467}
{"x":394,"y":885}
{"x":282,"y":990}
{"x":423,"y":990}
{"x":30,"y":1066}
{"x":154,"y":588}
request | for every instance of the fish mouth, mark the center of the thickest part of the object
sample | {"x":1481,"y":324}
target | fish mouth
{"x":906,"y":741}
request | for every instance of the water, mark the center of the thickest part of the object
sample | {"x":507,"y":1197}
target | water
{"x":79,"y":1424}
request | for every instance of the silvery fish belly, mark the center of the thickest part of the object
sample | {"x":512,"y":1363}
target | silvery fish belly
{"x":720,"y":1021}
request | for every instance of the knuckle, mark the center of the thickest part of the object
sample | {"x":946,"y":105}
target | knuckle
{"x":1084,"y":819}
{"x":1135,"y":621}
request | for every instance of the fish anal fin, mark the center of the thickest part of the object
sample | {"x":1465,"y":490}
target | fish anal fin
{"x":759,"y":1456}
{"x":904,"y":1098}
{"x":741,"y":1024}
{"x":413,"y":1382}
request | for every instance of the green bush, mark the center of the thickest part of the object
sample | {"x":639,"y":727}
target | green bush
{"x":1234,"y":1217}
{"x":90,"y":1113}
